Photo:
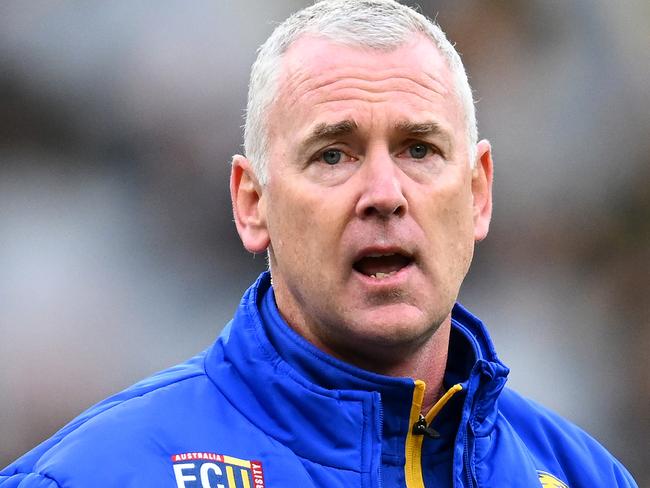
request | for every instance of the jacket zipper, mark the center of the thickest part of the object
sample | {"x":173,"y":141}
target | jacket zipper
{"x":468,"y":467}
{"x":380,"y":480}
{"x":421,"y":426}
{"x":413,"y":445}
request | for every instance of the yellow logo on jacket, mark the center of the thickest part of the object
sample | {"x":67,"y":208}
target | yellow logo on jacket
{"x":207,"y":470}
{"x":550,"y":481}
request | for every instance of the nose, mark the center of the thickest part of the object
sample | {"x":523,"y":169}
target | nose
{"x":382,"y":194}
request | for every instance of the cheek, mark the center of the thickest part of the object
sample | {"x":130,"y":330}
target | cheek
{"x":287,"y":228}
{"x":449,"y":213}
{"x":462,"y":244}
{"x":303,"y":226}
{"x":448,"y":224}
{"x":460,"y":222}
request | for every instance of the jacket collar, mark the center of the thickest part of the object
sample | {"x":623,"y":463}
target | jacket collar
{"x":284,"y":385}
{"x":488,"y":374}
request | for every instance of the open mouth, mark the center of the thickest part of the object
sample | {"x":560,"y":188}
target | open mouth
{"x":381,"y":266}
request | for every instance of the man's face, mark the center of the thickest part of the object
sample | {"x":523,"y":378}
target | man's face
{"x":369,"y":206}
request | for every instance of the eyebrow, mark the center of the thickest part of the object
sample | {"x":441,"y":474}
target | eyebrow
{"x":325,"y":131}
{"x":429,"y":128}
{"x":422,"y":128}
{"x":330,"y":131}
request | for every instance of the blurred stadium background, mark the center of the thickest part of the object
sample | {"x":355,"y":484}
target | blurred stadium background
{"x":118,"y":256}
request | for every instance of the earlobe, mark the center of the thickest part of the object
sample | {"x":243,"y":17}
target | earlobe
{"x":248,"y":205}
{"x":482,"y":189}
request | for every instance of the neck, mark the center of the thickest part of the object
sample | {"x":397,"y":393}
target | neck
{"x":427,"y":362}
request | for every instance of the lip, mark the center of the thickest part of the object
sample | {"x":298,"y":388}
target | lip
{"x":367,"y":251}
{"x":397,"y":279}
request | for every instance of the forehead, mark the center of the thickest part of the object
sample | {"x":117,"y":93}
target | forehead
{"x":320,"y":76}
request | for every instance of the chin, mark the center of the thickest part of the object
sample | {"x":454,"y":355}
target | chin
{"x":403,"y":326}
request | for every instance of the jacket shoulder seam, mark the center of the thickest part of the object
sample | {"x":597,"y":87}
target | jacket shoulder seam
{"x":127,"y":400}
{"x":106,"y":410}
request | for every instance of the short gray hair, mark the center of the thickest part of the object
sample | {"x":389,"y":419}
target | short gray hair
{"x":376,"y":24}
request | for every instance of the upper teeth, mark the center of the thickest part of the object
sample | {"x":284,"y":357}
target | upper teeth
{"x":379,"y":255}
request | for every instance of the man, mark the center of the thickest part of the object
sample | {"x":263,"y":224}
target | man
{"x":349,"y":364}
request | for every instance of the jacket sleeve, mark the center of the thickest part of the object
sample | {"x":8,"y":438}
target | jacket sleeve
{"x":27,"y":480}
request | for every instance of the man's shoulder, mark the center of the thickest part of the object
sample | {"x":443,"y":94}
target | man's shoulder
{"x":537,"y":424}
{"x":122,"y":428}
{"x":559,"y":446}
{"x":178,"y":425}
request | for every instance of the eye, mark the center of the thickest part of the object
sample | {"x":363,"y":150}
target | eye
{"x":418,"y":151}
{"x":332,"y":156}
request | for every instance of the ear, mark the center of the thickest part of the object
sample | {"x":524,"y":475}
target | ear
{"x":248,"y":205}
{"x":482,"y":189}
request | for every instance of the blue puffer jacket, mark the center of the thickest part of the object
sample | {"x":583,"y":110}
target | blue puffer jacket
{"x":264,"y":408}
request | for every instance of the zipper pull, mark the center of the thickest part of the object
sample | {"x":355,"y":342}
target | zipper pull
{"x":420,"y":428}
